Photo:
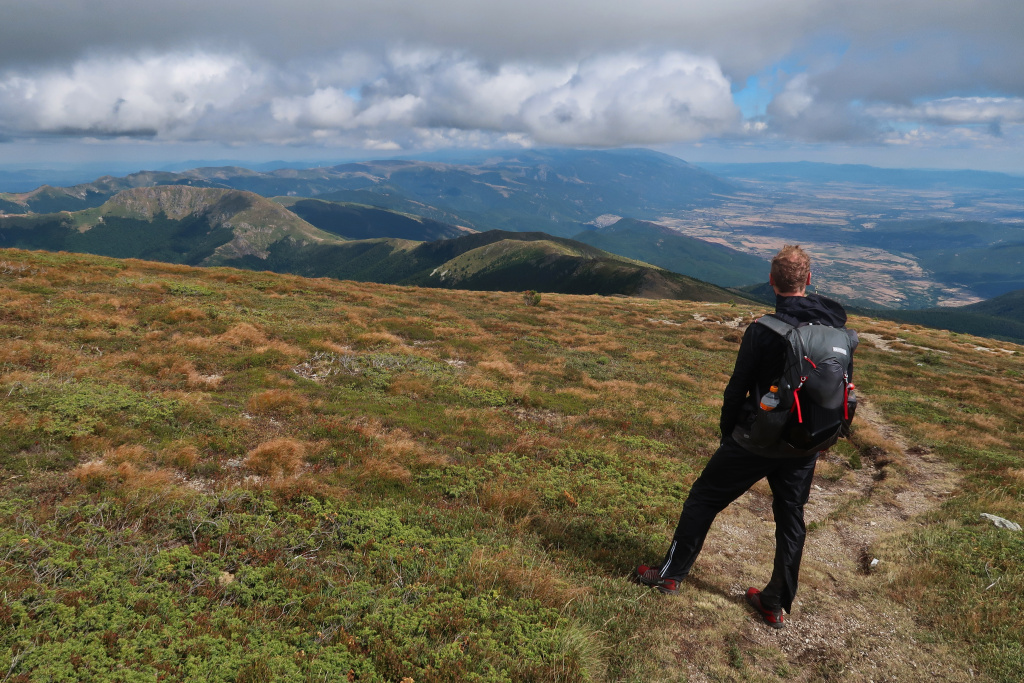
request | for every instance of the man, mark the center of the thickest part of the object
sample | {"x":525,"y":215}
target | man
{"x":732,"y":470}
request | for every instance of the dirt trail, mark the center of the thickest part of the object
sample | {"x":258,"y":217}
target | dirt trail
{"x":843,"y":626}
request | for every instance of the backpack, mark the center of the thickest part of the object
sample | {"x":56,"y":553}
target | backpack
{"x":813,"y":402}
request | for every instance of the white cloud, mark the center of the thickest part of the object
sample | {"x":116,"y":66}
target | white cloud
{"x":165,"y":96}
{"x":797,"y":97}
{"x":957,"y":111}
{"x":614,"y":100}
{"x":324,"y":108}
{"x":799,"y":112}
{"x":633,"y":99}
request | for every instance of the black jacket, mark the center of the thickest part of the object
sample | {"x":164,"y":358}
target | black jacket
{"x":762,"y":353}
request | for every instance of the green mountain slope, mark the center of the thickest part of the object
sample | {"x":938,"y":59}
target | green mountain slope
{"x":667,"y":248}
{"x":548,"y":266}
{"x":1009,"y":305}
{"x":359,"y":222}
{"x":176,"y":224}
{"x":494,"y":260}
{"x":208,"y":226}
{"x":46,"y":199}
{"x":999,"y":318}
{"x":989,"y":271}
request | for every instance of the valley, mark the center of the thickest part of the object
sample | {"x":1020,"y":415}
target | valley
{"x":839,"y":222}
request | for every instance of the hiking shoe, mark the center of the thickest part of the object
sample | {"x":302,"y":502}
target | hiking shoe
{"x":771,"y":617}
{"x":648,"y":576}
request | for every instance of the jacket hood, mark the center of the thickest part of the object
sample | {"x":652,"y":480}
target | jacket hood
{"x":812,"y":308}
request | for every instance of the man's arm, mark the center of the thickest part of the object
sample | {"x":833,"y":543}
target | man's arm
{"x":854,"y":343}
{"x":744,"y":377}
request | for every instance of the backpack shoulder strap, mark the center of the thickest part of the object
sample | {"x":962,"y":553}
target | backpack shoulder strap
{"x":775,"y":325}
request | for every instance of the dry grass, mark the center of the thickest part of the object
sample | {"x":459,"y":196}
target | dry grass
{"x":243,"y":335}
{"x":131,"y":454}
{"x":184,"y":314}
{"x":181,"y":454}
{"x":385,"y":469}
{"x":511,"y":571}
{"x":501,"y":367}
{"x":94,"y":474}
{"x":377,"y":339}
{"x":412,"y":386}
{"x":277,"y":401}
{"x":518,"y":447}
{"x":276,"y":458}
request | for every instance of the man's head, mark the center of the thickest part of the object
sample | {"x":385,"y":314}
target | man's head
{"x":791,"y":271}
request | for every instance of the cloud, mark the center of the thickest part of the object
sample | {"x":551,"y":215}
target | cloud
{"x":801,"y":111}
{"x":170,"y":96}
{"x":632,"y":100}
{"x":957,"y":111}
{"x":744,"y":36}
{"x":614,"y":100}
{"x":401,"y":74}
{"x":621,"y":99}
{"x":798,"y":112}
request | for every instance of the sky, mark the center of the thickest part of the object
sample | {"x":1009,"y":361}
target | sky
{"x":898,"y":83}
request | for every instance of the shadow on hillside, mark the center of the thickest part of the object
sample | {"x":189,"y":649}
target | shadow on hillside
{"x":706,"y":587}
{"x":615,"y":551}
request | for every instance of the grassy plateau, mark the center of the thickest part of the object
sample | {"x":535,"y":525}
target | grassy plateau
{"x":224,"y":475}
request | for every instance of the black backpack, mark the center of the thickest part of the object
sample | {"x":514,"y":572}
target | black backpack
{"x":812,"y":403}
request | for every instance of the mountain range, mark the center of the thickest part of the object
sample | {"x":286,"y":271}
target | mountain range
{"x":644,"y":206}
{"x":553,"y":192}
{"x":218,"y":227}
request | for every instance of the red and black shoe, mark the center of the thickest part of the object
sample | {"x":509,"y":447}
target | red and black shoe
{"x":771,"y":617}
{"x":648,"y":576}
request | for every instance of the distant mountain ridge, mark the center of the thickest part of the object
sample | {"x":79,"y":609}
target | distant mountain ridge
{"x":554,"y":191}
{"x":669,"y":249}
{"x":493,"y":260}
{"x":177,"y":224}
{"x":211,"y":226}
{"x":569,"y":193}
{"x":359,"y":221}
{"x":862,"y":173}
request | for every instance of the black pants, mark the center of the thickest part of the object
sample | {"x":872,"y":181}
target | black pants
{"x":728,"y":474}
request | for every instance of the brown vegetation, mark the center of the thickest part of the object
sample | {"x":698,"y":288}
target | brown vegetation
{"x":275,"y":458}
{"x":559,"y":438}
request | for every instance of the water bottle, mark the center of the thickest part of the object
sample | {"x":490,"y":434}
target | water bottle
{"x":770,"y":421}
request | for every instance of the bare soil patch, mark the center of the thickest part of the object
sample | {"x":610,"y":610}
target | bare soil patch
{"x":844,"y":625}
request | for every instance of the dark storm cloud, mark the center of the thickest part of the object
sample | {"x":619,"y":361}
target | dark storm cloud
{"x":742,"y":35}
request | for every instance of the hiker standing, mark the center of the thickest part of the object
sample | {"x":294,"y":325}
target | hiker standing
{"x":763,"y":362}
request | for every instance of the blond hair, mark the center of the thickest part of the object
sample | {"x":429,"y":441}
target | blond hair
{"x":790,"y":269}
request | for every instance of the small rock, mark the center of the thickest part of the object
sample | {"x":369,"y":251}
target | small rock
{"x":1001,"y":522}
